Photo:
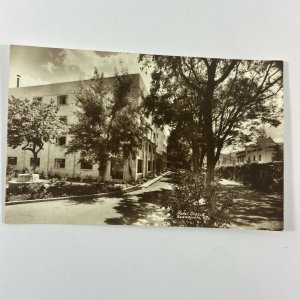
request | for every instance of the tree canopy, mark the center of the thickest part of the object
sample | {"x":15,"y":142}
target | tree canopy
{"x":31,"y":124}
{"x":178,"y":150}
{"x":214,"y":98}
{"x":109,"y":121}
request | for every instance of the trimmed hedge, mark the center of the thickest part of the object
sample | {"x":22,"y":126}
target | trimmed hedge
{"x":266,"y":177}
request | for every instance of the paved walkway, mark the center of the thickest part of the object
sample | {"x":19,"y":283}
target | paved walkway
{"x":133,"y":208}
{"x":250,"y":210}
{"x":142,"y":207}
{"x":254,"y":210}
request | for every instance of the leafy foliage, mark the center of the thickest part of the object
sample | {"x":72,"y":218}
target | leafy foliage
{"x":214,"y":98}
{"x":178,"y":150}
{"x":109,"y":123}
{"x":31,"y":124}
{"x":278,"y":153}
{"x":266,"y":177}
{"x":11,"y":172}
{"x":55,"y":188}
{"x":193,"y":203}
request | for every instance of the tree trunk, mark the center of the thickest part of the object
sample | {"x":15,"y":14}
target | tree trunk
{"x":210,"y":173}
{"x":195,"y":157}
{"x":101,"y":170}
{"x":202,"y":155}
{"x":129,"y":166}
{"x":210,"y":146}
{"x":208,"y":123}
{"x":35,"y":160}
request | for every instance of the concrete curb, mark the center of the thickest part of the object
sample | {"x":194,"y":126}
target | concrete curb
{"x":60,"y":198}
{"x":152,"y":181}
{"x":126,"y":190}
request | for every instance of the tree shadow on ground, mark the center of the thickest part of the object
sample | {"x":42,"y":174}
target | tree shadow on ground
{"x":90,"y":200}
{"x":257,"y":210}
{"x":138,"y":205}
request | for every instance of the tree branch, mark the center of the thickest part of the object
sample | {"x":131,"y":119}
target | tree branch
{"x":226,"y":73}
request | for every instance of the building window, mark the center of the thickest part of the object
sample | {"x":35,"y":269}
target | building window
{"x":32,"y":162}
{"x":253,"y":157}
{"x":39,"y":99}
{"x":86,"y":165}
{"x":149,"y":165}
{"x":59,"y":163}
{"x":64,"y":119}
{"x":140,"y":166}
{"x":62,"y":100}
{"x":61,"y":141}
{"x":259,"y":157}
{"x":12,"y":161}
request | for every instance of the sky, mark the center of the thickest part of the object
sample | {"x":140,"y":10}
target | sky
{"x":40,"y":65}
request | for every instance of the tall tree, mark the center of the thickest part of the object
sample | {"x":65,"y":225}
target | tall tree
{"x":230,"y":94}
{"x":178,"y":150}
{"x":109,"y":121}
{"x":31,"y":124}
{"x":171,"y":103}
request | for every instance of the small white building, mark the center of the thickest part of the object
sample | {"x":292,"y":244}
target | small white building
{"x":261,"y":152}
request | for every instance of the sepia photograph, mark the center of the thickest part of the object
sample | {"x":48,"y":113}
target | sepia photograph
{"x":112,"y":138}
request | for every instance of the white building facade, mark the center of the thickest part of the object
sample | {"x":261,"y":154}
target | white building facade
{"x":261,"y":152}
{"x":151,"y":158}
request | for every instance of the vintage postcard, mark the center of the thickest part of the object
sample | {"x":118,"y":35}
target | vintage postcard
{"x":137,"y":139}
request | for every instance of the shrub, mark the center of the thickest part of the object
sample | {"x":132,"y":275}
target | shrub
{"x":193,"y":204}
{"x":42,"y":175}
{"x":10,"y":173}
{"x":56,"y":188}
{"x":75,"y":178}
{"x":52,"y":175}
{"x":28,"y":191}
{"x":89,"y":179}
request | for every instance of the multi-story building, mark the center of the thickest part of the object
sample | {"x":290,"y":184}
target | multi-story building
{"x":150,"y":160}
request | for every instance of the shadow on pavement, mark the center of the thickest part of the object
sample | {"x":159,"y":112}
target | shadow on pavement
{"x":256,"y":209}
{"x":90,"y":199}
{"x":135,"y":206}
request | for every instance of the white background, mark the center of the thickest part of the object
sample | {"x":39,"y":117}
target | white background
{"x":119,"y":262}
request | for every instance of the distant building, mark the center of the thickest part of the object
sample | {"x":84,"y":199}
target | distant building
{"x":261,"y":152}
{"x":151,"y":159}
{"x":227,"y":159}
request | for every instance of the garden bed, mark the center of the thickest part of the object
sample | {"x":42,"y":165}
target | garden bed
{"x":54,"y":188}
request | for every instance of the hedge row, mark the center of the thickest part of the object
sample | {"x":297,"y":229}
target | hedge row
{"x":266,"y":177}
